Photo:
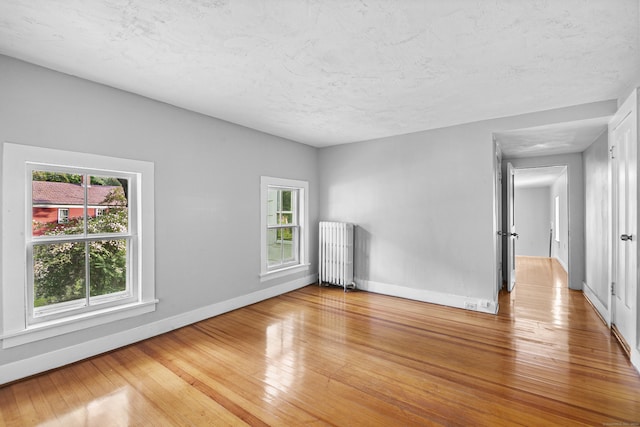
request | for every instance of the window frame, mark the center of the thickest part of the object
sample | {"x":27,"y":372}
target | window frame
{"x":302,"y":263}
{"x":17,"y":329}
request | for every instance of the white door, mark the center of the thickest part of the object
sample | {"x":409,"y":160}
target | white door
{"x":511,"y":230}
{"x":623,"y":141}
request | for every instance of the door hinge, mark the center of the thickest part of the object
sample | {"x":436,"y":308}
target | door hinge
{"x":613,"y":288}
{"x":611,"y":152}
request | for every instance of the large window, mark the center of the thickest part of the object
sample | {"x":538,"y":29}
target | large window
{"x":284,"y":230}
{"x":84,"y":260}
{"x":77,"y":243}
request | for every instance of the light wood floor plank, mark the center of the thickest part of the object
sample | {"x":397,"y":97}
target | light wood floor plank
{"x":320,"y":356}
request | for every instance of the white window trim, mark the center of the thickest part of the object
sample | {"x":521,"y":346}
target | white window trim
{"x":303,"y":219}
{"x":15,"y":329}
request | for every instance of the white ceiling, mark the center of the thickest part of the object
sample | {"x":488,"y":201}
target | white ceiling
{"x":328,"y":72}
{"x":560,"y":138}
{"x":537,"y":177}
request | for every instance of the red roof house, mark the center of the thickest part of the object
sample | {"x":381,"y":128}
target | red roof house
{"x":58,"y":202}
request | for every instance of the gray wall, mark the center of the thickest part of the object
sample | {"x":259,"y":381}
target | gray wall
{"x":532,"y":220}
{"x":597,"y":233}
{"x":424,"y":204}
{"x":207,"y":183}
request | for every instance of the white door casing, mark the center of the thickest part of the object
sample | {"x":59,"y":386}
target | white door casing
{"x":623,"y":141}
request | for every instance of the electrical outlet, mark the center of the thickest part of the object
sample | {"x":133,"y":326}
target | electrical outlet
{"x":471,"y":306}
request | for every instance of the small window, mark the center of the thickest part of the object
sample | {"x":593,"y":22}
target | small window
{"x":284,"y":230}
{"x":63,"y":216}
{"x":99,"y":212}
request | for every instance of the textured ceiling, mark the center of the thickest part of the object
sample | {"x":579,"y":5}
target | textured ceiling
{"x":330,"y":72}
{"x":561,"y":138}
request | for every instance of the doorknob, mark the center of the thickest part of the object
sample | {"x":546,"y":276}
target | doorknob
{"x":626,"y":237}
{"x":514,"y":235}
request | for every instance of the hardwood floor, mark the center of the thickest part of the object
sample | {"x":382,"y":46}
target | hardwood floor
{"x":319,"y":356}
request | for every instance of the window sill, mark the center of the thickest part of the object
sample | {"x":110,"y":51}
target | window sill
{"x":69,"y":324}
{"x":282,"y":272}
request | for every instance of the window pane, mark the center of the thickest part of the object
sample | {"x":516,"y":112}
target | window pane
{"x":288,"y":250}
{"x":107,"y":266}
{"x":286,"y":218}
{"x":58,"y":273}
{"x":272,"y":206}
{"x":286,"y":200}
{"x":274,"y":247}
{"x":57,"y":201}
{"x":108,"y":205}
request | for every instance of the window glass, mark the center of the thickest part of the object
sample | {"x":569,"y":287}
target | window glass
{"x":57,"y":203}
{"x":58,"y":273}
{"x":107,"y":266}
{"x":109,"y":196}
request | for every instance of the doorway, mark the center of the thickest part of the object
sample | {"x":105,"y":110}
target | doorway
{"x":541,"y":213}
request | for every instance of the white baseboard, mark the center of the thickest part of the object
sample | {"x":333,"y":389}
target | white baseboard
{"x":43,"y":362}
{"x":457,"y":301}
{"x":596,"y":303}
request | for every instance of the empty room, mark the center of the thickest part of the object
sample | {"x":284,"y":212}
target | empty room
{"x":319,"y":212}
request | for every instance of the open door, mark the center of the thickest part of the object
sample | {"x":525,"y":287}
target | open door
{"x":511,"y":230}
{"x":623,"y":140}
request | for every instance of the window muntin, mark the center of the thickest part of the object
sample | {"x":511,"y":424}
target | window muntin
{"x":84,"y":261}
